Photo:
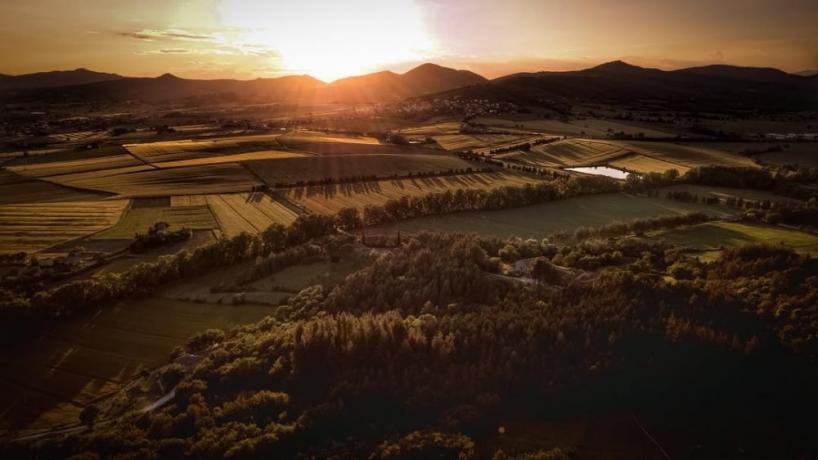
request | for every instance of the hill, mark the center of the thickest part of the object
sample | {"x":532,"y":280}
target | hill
{"x":55,"y":79}
{"x":425,"y":79}
{"x":717,"y":87}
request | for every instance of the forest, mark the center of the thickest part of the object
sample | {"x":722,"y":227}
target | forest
{"x":424,"y":353}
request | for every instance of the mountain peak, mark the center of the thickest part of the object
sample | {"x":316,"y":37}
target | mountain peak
{"x":168,"y":76}
{"x":617,"y":66}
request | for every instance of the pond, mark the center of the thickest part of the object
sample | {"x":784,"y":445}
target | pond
{"x":602,"y":171}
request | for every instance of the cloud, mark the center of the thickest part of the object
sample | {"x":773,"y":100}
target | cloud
{"x":151,"y":35}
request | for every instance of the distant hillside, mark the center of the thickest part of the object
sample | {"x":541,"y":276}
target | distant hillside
{"x":375,"y":87}
{"x":54,"y":79}
{"x":807,"y":73}
{"x":708,"y":88}
{"x":424,"y":79}
{"x":715,"y":87}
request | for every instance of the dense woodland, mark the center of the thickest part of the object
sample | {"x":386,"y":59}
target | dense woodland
{"x":427,"y":351}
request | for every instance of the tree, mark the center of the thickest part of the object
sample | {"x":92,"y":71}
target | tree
{"x":349,"y":219}
{"x":545,"y":272}
{"x":89,"y":415}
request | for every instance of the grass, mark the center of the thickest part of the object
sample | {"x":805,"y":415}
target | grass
{"x":717,"y":235}
{"x":325,"y":273}
{"x":540,"y":220}
{"x":16,"y":189}
{"x":329,"y":199}
{"x":147,"y":181}
{"x":49,"y":380}
{"x":33,"y":227}
{"x":241,"y":212}
{"x":139,"y":220}
{"x":289,"y":170}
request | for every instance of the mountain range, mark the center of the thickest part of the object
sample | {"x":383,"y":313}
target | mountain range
{"x":699,"y":88}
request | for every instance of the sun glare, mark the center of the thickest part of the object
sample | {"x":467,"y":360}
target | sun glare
{"x":333,"y":39}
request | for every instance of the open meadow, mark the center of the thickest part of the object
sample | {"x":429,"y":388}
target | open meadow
{"x":713,"y":236}
{"x":140,"y":219}
{"x":539,"y":221}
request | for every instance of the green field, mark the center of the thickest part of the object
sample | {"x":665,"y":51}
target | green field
{"x":717,"y":235}
{"x":540,"y":220}
{"x":48,"y":381}
{"x":139,"y":220}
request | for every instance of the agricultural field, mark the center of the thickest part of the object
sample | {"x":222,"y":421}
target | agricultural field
{"x":539,"y":221}
{"x":686,"y":155}
{"x":80,"y":165}
{"x":571,"y":153}
{"x":479,"y":141}
{"x":338,"y":144}
{"x":16,"y":189}
{"x":584,"y":127}
{"x":240,"y":212}
{"x":642,"y":164}
{"x":145,"y":181}
{"x":801,"y":154}
{"x":271,"y":290}
{"x":49,"y":380}
{"x":713,"y":236}
{"x":329,"y":199}
{"x":437,"y":129}
{"x":290,"y":170}
{"x":140,"y":219}
{"x":724,"y":193}
{"x":157,"y":152}
{"x":234,"y":158}
{"x":36,"y":226}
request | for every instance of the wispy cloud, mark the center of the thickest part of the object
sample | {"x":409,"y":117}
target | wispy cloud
{"x":151,"y":35}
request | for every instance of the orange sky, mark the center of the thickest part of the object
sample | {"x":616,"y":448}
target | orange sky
{"x":331,"y":39}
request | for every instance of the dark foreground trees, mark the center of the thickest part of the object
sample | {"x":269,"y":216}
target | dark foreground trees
{"x":425,"y":353}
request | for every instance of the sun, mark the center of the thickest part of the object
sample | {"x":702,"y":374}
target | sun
{"x":333,"y":39}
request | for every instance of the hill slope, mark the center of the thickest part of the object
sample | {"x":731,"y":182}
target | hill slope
{"x":717,"y":87}
{"x":54,"y":79}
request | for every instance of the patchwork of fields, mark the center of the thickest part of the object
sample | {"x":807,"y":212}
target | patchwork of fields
{"x":586,"y":127}
{"x":36,"y":226}
{"x":240,"y":212}
{"x":329,"y":199}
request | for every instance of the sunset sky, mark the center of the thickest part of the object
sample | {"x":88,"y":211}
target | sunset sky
{"x":332,"y":39}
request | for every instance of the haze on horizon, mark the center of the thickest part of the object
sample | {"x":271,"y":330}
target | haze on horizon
{"x":330,"y":40}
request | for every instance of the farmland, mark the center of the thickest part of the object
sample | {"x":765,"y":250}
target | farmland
{"x":140,"y":219}
{"x":36,"y":226}
{"x":53,"y":378}
{"x":16,"y":189}
{"x":540,"y":220}
{"x":157,"y":152}
{"x":328,"y":199}
{"x":291,"y":170}
{"x":240,"y":212}
{"x":718,"y":235}
{"x":580,"y":127}
{"x":144,"y":181}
